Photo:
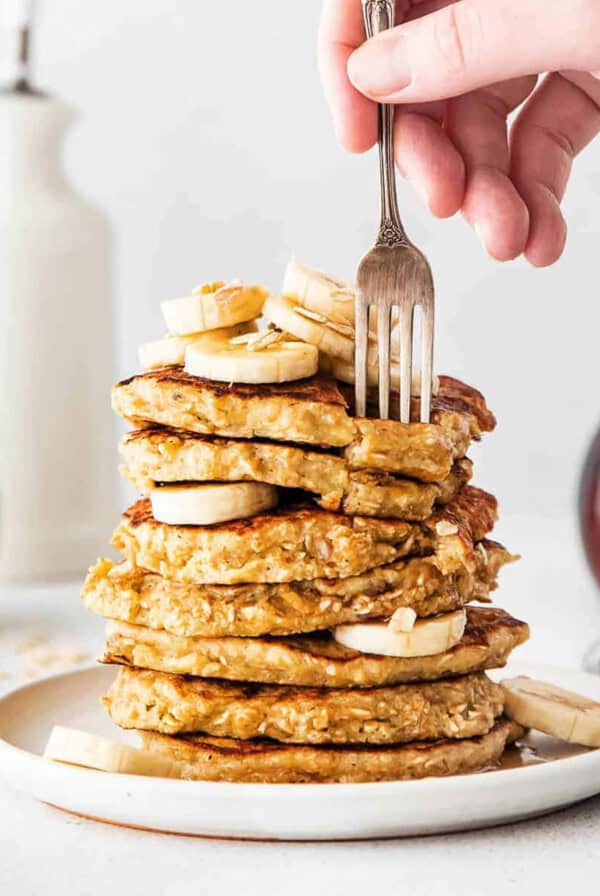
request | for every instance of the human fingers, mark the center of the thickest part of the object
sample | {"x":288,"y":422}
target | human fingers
{"x":354,"y":116}
{"x":474,"y":43}
{"x":427,"y":158}
{"x":477,"y":125}
{"x":559,"y":120}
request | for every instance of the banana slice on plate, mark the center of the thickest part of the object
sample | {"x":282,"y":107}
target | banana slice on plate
{"x":265,"y":357}
{"x":333,"y":337}
{"x":548,"y":708}
{"x":319,"y":292}
{"x":345,"y":372}
{"x":72,"y":747}
{"x":427,"y":637}
{"x":210,"y":503}
{"x":170,"y":350}
{"x":212,"y":306}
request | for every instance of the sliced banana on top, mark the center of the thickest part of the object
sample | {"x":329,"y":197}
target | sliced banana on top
{"x":212,"y":306}
{"x":265,"y":357}
{"x":67,"y":745}
{"x":427,"y":637}
{"x":319,"y":292}
{"x":344,"y":371}
{"x":170,"y":350}
{"x":334,"y":338}
{"x":211,"y":503}
{"x":548,"y":708}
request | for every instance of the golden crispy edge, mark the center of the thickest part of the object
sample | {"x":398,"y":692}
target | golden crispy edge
{"x":262,"y":761}
{"x":314,"y":389}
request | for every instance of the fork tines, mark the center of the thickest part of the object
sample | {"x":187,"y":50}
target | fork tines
{"x":394,"y":278}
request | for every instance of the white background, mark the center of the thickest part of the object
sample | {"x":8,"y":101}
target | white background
{"x":204,"y":135}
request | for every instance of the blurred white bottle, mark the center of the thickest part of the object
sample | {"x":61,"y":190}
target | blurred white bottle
{"x":58,"y":494}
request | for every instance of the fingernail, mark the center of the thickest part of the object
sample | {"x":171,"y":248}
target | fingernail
{"x":379,"y":68}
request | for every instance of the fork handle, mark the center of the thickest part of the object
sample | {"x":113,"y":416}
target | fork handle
{"x":379,"y":16}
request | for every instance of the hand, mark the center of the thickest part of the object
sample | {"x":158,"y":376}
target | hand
{"x":457,"y":70}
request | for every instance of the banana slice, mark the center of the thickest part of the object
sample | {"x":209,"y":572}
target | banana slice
{"x":318,"y":292}
{"x":170,"y":350}
{"x":427,"y":638}
{"x":345,"y":372}
{"x":212,"y":306}
{"x":80,"y":748}
{"x":207,"y":504}
{"x":335,"y":338}
{"x":265,"y":357}
{"x":547,"y":708}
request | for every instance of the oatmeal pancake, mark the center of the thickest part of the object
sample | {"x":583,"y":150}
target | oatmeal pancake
{"x":301,"y":542}
{"x":311,"y":411}
{"x":130,"y":594}
{"x":158,"y":455}
{"x":313,"y":660}
{"x":205,"y":758}
{"x":174,"y":704}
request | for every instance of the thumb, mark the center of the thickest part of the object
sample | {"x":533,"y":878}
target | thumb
{"x":474,"y":43}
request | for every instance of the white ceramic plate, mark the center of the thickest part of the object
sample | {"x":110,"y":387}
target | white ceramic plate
{"x":273,"y":811}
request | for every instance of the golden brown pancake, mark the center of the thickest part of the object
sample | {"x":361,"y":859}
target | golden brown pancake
{"x":173,"y":704}
{"x":134,"y":595}
{"x":160,"y":455}
{"x":301,"y":542}
{"x":311,"y":411}
{"x":315,"y":660}
{"x":205,"y":758}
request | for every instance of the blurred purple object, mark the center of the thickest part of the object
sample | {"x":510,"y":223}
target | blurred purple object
{"x":589,"y":521}
{"x":589,"y":507}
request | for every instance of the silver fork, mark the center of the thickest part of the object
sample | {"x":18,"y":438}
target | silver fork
{"x":393,"y":274}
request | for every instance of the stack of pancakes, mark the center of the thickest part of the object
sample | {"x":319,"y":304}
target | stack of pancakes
{"x":224,"y":633}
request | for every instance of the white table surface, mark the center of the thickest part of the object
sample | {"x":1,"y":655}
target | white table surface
{"x":43,"y":850}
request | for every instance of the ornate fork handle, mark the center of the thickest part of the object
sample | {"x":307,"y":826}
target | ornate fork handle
{"x":379,"y":16}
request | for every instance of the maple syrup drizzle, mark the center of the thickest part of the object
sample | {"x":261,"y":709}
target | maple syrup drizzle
{"x":537,"y":749}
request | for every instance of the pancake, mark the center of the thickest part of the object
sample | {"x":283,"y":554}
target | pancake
{"x":134,"y":595}
{"x":453,"y":396}
{"x":161,"y":455}
{"x":311,"y":411}
{"x":315,"y":660}
{"x":173,"y":704}
{"x":204,"y":758}
{"x":301,"y":542}
{"x":389,"y":496}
